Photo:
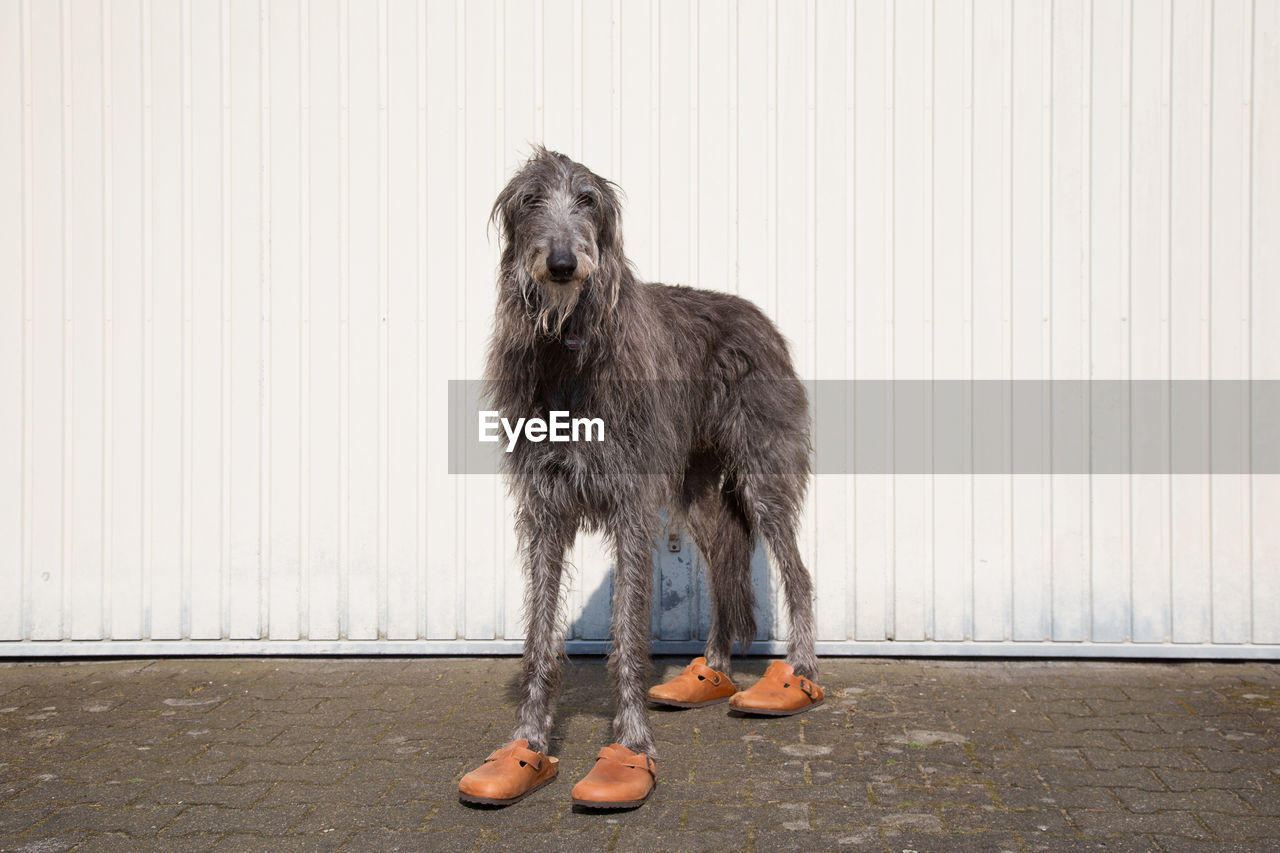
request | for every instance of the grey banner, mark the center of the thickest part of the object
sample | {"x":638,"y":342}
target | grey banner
{"x":994,"y":427}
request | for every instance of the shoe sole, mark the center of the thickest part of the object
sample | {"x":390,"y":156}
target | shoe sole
{"x":595,"y":804}
{"x":671,"y":703}
{"x":771,"y":712}
{"x":492,"y":801}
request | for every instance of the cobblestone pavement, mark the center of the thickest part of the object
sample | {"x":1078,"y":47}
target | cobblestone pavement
{"x":905,"y":755}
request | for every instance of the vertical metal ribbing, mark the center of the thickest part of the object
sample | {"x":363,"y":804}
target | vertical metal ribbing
{"x":108,"y":336}
{"x":1006,"y":317}
{"x":148,"y":330}
{"x":853,"y":249}
{"x":384,"y":276}
{"x":929,"y":618}
{"x":890,"y":530}
{"x":420,"y":524}
{"x":1126,"y":300}
{"x":1166,"y":284}
{"x":264,"y":322}
{"x":695,"y":80}
{"x":615,"y":76}
{"x":56,"y":371}
{"x":539,"y":69}
{"x":1086,"y":301}
{"x":67,"y":556}
{"x":967,"y":205}
{"x":28,"y":332}
{"x":460,"y":210}
{"x":1246,"y":283}
{"x":187,"y":320}
{"x":224,"y":124}
{"x":1206,"y":277}
{"x":577,"y":79}
{"x":499,"y":169}
{"x":809,"y":533}
{"x":344,"y":308}
{"x":1046,"y":302}
{"x":304,"y":321}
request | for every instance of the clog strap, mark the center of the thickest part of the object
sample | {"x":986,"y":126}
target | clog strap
{"x":697,"y":669}
{"x":525,"y":756}
{"x":786,"y":680}
{"x":637,"y":761}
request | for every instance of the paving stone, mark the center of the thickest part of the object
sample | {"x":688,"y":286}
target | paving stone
{"x":1225,"y":761}
{"x":14,"y":820}
{"x":335,"y":840}
{"x":1087,"y":737}
{"x":1180,"y":824}
{"x":57,"y":792}
{"x":183,"y":793}
{"x":1226,"y":802}
{"x":1111,"y":759}
{"x":202,"y":820}
{"x":1124,"y":777}
{"x":1030,"y":822}
{"x":365,"y":755}
{"x":304,"y":793}
{"x":1242,"y":828}
{"x":1248,"y":780}
{"x":646,"y":840}
{"x":260,"y":770}
{"x":389,"y":841}
{"x":117,"y":842}
{"x":49,"y":844}
{"x":139,"y":822}
{"x":327,"y":816}
{"x":856,"y":838}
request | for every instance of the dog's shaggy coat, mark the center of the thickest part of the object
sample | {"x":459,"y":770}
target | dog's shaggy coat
{"x":703,"y":414}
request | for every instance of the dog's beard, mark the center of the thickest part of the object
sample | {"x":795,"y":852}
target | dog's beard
{"x":555,"y":304}
{"x":551,"y":305}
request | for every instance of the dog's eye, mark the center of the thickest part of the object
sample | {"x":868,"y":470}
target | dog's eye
{"x":586,"y":201}
{"x":531,"y":200}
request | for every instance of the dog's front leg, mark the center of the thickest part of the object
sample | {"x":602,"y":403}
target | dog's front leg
{"x":629,"y":662}
{"x":544,"y":538}
{"x":519,"y":768}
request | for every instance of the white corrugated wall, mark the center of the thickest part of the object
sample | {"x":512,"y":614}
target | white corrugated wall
{"x":243,"y":250}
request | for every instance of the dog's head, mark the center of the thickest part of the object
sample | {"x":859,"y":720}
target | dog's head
{"x":560,"y":225}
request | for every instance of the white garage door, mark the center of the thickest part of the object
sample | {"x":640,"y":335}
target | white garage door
{"x":243,"y":253}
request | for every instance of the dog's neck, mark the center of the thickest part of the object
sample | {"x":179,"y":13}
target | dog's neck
{"x":520,"y":355}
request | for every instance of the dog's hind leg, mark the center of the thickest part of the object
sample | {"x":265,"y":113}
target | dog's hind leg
{"x":773,"y":504}
{"x":723,"y":535}
{"x":544,"y":538}
{"x":797,"y":587}
{"x":633,"y":533}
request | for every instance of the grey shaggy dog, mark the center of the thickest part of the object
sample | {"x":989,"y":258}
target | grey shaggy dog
{"x":703,"y":414}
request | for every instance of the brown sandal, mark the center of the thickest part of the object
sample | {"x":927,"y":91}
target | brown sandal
{"x":778,"y":693}
{"x":699,"y":685}
{"x":620,"y":779}
{"x":508,"y":775}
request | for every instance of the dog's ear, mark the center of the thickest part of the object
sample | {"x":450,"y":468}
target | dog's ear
{"x":609,"y":205}
{"x":613,"y":260}
{"x":505,"y":208}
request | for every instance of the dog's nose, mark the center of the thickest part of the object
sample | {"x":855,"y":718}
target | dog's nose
{"x":561,"y":265}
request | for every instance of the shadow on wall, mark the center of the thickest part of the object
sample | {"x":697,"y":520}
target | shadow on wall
{"x":681,"y":596}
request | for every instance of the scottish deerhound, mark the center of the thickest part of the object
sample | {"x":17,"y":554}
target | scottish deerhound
{"x":703,"y":414}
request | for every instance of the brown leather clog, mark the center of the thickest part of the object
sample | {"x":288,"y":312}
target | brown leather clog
{"x":507,"y":776}
{"x":778,"y":693}
{"x":697,"y":686}
{"x":620,"y":779}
